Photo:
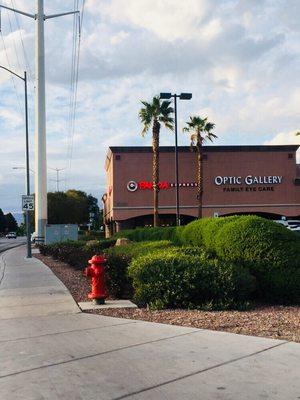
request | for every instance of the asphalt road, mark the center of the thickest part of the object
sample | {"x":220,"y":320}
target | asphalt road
{"x":6,"y":244}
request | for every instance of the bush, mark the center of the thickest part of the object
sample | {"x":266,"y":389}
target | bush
{"x":256,"y":240}
{"x":132,"y":250}
{"x":211,"y":229}
{"x":278,"y":285}
{"x":171,"y":233}
{"x":91,"y":235}
{"x":172,"y":279}
{"x":192,"y":233}
{"x":202,"y":232}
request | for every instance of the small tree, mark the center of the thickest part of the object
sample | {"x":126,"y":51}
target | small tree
{"x":2,"y":222}
{"x":156,"y":113}
{"x":200,"y":130}
{"x":11,"y":223}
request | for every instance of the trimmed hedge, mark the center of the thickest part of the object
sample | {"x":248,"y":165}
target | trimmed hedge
{"x":256,"y":240}
{"x":133,"y":249}
{"x":176,"y":280}
{"x":202,"y":232}
{"x":277,"y":285}
{"x":171,"y":233}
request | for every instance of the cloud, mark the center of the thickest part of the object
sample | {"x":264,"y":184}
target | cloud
{"x":285,"y":138}
{"x":240,"y":59}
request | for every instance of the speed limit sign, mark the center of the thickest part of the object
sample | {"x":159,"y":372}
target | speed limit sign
{"x":27,"y":203}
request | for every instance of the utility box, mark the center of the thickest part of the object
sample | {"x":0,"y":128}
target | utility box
{"x":60,"y":233}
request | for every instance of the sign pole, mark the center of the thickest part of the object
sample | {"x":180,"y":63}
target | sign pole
{"x":29,"y":254}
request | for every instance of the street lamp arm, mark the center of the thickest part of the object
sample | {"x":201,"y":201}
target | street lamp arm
{"x":12,"y":72}
{"x":61,"y":15}
{"x":18,"y":11}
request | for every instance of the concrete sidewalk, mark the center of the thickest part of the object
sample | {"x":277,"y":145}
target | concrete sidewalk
{"x":50,"y":350}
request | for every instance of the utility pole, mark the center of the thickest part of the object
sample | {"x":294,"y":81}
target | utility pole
{"x":57,"y":180}
{"x":24,"y":79}
{"x":40,"y":117}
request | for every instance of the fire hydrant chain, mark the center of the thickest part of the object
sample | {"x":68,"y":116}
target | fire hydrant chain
{"x":97,"y":273}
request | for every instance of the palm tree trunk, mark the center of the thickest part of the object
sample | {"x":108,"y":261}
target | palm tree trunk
{"x":155,"y":170}
{"x":200,"y":179}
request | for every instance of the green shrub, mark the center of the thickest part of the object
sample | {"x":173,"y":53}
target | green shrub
{"x":172,"y":279}
{"x":91,"y":235}
{"x":278,"y":285}
{"x":211,"y":229}
{"x":256,"y":240}
{"x":171,"y":233}
{"x":202,"y":232}
{"x":133,"y":249}
{"x":192,"y":233}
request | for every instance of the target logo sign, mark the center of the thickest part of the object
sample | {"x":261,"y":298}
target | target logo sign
{"x":132,"y":186}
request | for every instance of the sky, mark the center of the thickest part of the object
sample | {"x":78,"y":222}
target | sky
{"x":240,"y":59}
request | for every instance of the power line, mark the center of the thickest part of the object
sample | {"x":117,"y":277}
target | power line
{"x":14,"y":42}
{"x":11,"y":77}
{"x":28,"y":68}
{"x":77,"y":29}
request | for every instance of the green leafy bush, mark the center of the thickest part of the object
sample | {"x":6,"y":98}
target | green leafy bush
{"x":133,"y":249}
{"x":172,"y":279}
{"x":192,"y":233}
{"x":211,"y":229}
{"x":256,"y":240}
{"x":277,"y":285}
{"x":171,"y":233}
{"x":202,"y":232}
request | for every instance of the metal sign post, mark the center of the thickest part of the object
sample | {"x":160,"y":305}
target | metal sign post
{"x":27,"y":206}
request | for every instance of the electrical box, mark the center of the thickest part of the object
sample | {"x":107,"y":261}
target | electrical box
{"x":60,"y":233}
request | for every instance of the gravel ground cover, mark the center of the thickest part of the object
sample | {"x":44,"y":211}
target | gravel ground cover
{"x":278,"y":322}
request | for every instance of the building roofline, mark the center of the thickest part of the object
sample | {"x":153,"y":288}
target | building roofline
{"x":184,"y":149}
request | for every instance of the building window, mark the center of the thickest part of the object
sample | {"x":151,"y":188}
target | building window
{"x":118,"y":157}
{"x":290,"y":155}
{"x":204,"y":157}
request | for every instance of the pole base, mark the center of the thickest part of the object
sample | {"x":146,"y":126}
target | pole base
{"x":99,"y":301}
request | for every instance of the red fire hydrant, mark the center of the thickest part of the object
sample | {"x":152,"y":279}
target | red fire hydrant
{"x":96,"y":272}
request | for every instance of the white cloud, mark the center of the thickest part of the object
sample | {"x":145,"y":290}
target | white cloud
{"x":285,"y":138}
{"x":240,"y":59}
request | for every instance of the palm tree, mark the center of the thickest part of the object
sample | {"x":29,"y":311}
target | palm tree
{"x":200,"y":130}
{"x":156,"y":113}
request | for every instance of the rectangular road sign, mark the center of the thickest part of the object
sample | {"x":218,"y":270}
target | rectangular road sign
{"x":27,"y":203}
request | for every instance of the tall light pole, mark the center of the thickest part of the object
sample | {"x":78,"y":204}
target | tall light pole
{"x":24,"y":79}
{"x":182,"y":96}
{"x":57,"y":180}
{"x":40,"y":117}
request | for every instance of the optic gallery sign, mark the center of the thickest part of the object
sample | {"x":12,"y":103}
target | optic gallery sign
{"x":251,"y":182}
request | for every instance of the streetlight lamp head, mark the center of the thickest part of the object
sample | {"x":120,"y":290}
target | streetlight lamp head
{"x":165,"y":95}
{"x":185,"y":96}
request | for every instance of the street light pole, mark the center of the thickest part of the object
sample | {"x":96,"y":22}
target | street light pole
{"x":182,"y":96}
{"x":24,"y":79}
{"x":176,"y":164}
{"x":40,"y":118}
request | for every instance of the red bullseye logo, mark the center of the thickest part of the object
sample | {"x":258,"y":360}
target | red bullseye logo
{"x":132,"y":186}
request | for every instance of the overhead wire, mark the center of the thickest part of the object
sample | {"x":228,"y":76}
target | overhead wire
{"x":76,"y":45}
{"x":28,"y":68}
{"x":76,"y":81}
{"x":12,"y":77}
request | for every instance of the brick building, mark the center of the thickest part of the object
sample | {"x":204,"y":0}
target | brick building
{"x":263,"y":180}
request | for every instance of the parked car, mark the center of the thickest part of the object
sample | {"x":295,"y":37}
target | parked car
{"x":292,"y":224}
{"x":33,"y":236}
{"x":11,"y":235}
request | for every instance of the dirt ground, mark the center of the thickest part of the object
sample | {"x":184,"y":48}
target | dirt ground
{"x":278,"y":322}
